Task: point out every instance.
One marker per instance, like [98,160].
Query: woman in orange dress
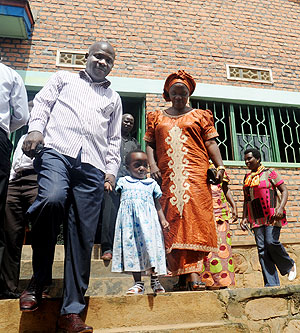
[180,141]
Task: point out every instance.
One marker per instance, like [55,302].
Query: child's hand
[165,225]
[107,187]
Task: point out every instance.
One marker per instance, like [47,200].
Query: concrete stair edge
[203,327]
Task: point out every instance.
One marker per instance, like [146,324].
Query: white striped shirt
[73,113]
[20,160]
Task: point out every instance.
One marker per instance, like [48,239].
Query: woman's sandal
[137,289]
[196,286]
[179,287]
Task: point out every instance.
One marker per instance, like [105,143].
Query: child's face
[138,166]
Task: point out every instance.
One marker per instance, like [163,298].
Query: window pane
[253,130]
[222,123]
[288,133]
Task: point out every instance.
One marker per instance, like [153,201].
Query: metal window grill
[275,131]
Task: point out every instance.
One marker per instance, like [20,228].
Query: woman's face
[251,162]
[179,95]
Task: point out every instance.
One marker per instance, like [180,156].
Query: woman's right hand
[155,172]
[243,224]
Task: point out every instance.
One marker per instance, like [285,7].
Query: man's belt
[24,173]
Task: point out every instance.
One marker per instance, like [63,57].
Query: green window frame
[274,130]
[136,107]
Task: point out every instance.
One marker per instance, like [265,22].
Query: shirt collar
[85,76]
[145,181]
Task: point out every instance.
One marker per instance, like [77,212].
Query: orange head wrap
[179,77]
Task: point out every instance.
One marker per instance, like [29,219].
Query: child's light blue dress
[138,243]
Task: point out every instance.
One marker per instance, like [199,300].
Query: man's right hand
[30,143]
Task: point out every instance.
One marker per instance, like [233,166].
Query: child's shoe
[156,285]
[137,289]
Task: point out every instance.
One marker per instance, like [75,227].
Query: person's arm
[154,170]
[164,223]
[244,221]
[40,113]
[113,158]
[230,200]
[19,104]
[279,212]
[215,156]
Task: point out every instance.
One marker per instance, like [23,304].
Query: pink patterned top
[262,200]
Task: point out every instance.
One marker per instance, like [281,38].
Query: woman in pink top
[265,211]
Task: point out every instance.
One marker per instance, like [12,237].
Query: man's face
[100,61]
[127,123]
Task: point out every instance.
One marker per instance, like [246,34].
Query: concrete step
[102,280]
[215,327]
[239,310]
[118,311]
[59,252]
[102,286]
[99,268]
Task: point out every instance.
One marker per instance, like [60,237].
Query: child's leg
[138,288]
[137,276]
[155,284]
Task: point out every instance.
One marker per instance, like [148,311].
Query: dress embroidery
[178,162]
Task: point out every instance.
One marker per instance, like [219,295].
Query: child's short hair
[255,152]
[128,155]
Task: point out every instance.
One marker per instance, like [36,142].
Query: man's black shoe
[9,295]
[31,297]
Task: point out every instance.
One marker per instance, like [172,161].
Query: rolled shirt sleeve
[114,140]
[19,104]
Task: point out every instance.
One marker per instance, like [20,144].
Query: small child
[139,244]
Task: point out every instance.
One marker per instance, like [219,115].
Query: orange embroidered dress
[187,200]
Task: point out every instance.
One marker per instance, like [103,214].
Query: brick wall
[154,38]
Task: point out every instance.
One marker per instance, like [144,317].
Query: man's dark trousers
[5,152]
[21,194]
[65,181]
[108,217]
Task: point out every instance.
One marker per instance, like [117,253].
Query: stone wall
[264,310]
[248,271]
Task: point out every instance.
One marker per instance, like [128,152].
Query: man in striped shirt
[77,117]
